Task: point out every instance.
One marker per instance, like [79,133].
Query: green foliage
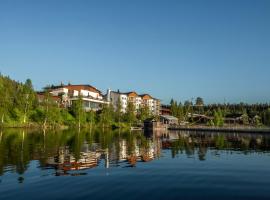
[17,100]
[38,115]
[245,118]
[118,111]
[130,115]
[19,105]
[144,113]
[218,118]
[16,114]
[178,110]
[67,118]
[180,114]
[91,117]
[210,123]
[107,115]
[173,107]
[78,111]
[257,121]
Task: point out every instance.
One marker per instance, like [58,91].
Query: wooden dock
[223,129]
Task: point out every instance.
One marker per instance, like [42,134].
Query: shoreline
[237,129]
[223,129]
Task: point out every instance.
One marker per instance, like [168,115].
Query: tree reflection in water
[71,152]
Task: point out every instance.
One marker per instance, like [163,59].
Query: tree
[91,117]
[12,99]
[180,112]
[199,101]
[188,103]
[188,109]
[4,103]
[49,112]
[78,111]
[257,121]
[199,105]
[118,111]
[245,119]
[130,115]
[28,98]
[144,112]
[174,108]
[106,116]
[218,118]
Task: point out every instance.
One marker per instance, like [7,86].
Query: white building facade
[92,97]
[137,100]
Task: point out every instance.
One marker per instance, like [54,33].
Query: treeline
[255,114]
[21,107]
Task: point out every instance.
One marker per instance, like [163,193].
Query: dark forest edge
[20,107]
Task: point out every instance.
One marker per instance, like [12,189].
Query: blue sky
[183,49]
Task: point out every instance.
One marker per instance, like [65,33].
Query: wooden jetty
[224,129]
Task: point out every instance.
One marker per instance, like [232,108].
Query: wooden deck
[224,129]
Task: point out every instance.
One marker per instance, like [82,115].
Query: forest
[21,107]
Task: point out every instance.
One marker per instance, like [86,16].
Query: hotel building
[138,101]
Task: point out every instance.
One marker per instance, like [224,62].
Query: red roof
[77,87]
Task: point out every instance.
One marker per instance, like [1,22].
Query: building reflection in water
[71,153]
[65,162]
[121,153]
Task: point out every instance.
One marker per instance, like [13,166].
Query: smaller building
[168,119]
[165,110]
[152,124]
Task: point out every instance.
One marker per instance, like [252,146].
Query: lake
[96,164]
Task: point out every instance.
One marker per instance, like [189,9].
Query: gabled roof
[134,94]
[169,117]
[146,96]
[77,87]
[118,92]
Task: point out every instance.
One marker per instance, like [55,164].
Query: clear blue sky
[183,49]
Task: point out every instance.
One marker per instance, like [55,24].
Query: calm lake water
[122,165]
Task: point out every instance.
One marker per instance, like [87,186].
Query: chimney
[109,95]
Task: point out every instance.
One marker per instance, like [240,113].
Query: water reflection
[72,153]
[192,143]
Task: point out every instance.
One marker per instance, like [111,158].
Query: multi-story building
[152,103]
[91,96]
[137,100]
[93,99]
